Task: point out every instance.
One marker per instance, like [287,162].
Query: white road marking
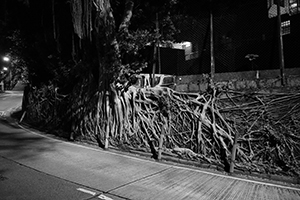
[86,191]
[177,167]
[2,113]
[103,197]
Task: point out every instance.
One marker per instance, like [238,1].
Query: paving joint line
[174,166]
[51,175]
[103,193]
[139,179]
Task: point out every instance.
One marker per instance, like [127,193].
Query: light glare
[6,59]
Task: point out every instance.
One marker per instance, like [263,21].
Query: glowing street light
[6,59]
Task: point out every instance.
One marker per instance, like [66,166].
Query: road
[21,182]
[9,101]
[34,165]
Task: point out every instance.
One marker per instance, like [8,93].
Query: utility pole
[158,56]
[212,56]
[156,47]
[280,44]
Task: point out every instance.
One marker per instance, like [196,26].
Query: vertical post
[156,47]
[233,153]
[153,67]
[158,58]
[212,56]
[157,44]
[280,45]
[161,140]
[97,116]
[106,141]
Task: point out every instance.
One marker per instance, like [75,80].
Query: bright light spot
[182,45]
[6,59]
[294,5]
[187,44]
[5,68]
[103,197]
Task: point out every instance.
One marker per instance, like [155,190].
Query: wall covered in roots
[196,126]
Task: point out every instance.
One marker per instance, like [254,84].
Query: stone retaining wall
[250,80]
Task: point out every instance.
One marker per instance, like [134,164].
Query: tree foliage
[82,57]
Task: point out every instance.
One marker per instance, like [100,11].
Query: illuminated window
[284,7]
[286,27]
[294,6]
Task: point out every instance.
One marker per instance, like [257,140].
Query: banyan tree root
[269,125]
[194,128]
[201,127]
[198,127]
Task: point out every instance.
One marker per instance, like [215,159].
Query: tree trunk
[108,115]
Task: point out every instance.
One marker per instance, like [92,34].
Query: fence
[238,31]
[247,80]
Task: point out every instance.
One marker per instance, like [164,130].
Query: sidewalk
[130,177]
[125,176]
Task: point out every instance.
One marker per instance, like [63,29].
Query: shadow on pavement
[18,143]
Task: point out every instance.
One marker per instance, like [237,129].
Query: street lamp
[251,58]
[6,59]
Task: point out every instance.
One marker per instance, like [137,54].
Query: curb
[9,112]
[218,169]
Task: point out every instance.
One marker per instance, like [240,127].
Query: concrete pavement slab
[179,183]
[91,167]
[23,183]
[129,177]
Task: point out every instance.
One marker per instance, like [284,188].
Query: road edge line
[165,164]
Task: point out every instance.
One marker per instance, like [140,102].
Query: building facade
[248,28]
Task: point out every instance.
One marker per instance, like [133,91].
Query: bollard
[106,142]
[233,153]
[161,140]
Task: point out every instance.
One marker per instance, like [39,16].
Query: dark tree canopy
[82,56]
[51,45]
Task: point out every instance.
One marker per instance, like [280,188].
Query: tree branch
[127,16]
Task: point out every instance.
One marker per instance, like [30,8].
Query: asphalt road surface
[21,182]
[34,165]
